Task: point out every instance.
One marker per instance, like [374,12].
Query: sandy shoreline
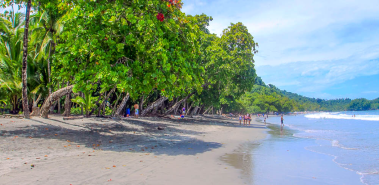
[128,151]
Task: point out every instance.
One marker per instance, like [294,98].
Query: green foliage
[359,104]
[264,98]
[122,43]
[76,111]
[228,62]
[108,111]
[88,102]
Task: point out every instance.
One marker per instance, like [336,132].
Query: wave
[373,172]
[336,143]
[343,116]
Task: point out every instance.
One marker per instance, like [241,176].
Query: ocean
[320,148]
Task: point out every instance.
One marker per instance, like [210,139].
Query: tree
[11,30]
[25,103]
[359,104]
[228,63]
[48,27]
[104,41]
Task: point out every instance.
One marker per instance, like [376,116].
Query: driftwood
[72,118]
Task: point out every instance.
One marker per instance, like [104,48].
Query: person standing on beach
[240,117]
[249,118]
[128,112]
[281,120]
[136,106]
[265,121]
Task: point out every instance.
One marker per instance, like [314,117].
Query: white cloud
[294,30]
[305,45]
[370,92]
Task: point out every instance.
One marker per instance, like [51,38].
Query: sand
[128,151]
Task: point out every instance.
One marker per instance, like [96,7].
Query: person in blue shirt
[128,112]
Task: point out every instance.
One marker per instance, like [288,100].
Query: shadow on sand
[133,135]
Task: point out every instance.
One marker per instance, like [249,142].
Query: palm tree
[11,41]
[48,26]
[11,29]
[25,103]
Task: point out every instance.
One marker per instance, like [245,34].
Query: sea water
[320,148]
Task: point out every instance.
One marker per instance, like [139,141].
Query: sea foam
[343,116]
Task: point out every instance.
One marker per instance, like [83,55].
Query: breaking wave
[343,116]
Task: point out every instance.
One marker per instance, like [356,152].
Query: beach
[127,151]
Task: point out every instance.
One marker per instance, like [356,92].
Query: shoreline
[313,166]
[131,151]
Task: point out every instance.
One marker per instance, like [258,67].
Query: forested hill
[265,98]
[325,105]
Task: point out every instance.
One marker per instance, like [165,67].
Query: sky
[316,48]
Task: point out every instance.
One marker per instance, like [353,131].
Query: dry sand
[127,151]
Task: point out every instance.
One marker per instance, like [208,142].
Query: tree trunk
[35,108]
[171,103]
[103,106]
[25,103]
[201,108]
[35,103]
[53,97]
[188,110]
[178,103]
[122,105]
[141,104]
[154,104]
[115,105]
[59,102]
[105,100]
[67,104]
[206,110]
[155,110]
[195,110]
[81,94]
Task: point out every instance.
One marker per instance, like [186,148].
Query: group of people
[262,115]
[246,119]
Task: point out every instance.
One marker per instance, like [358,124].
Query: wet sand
[127,151]
[282,158]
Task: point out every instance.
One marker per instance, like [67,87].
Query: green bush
[108,111]
[76,111]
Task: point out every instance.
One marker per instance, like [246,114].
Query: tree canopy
[104,56]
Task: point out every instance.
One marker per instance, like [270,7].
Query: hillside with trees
[268,98]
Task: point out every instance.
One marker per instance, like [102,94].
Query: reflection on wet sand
[242,159]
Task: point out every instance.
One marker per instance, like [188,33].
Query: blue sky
[317,48]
